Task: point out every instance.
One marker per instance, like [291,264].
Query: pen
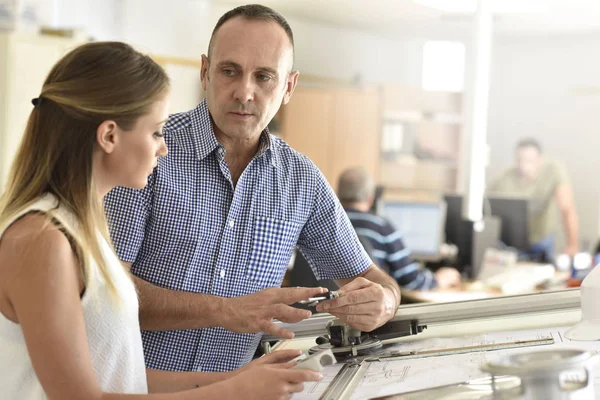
[316,300]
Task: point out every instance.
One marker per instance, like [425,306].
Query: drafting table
[537,318]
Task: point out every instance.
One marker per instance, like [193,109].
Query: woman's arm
[42,281]
[165,381]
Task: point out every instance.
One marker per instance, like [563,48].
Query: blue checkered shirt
[190,230]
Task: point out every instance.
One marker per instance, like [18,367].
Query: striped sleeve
[407,272]
[390,253]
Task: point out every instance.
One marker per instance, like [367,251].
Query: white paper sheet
[399,376]
[313,390]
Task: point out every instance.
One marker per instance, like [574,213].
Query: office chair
[379,189]
[303,275]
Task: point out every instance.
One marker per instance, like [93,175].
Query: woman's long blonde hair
[93,83]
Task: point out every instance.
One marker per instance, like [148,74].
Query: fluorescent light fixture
[497,6]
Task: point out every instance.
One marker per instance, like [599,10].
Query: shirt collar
[205,141]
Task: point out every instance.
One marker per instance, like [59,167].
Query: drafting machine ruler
[352,372]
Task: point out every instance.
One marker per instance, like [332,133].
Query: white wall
[182,28]
[531,95]
[175,28]
[346,54]
[342,53]
[100,19]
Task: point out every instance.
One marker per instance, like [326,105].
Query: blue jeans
[542,251]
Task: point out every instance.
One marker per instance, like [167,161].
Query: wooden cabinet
[306,124]
[421,141]
[336,128]
[26,61]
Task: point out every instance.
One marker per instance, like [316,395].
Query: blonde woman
[68,309]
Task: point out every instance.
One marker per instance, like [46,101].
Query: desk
[461,293]
[476,290]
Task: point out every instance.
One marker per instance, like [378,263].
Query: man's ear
[106,136]
[204,71]
[290,85]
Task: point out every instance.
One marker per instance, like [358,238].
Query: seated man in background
[356,190]
[546,184]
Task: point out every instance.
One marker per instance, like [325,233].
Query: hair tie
[36,101]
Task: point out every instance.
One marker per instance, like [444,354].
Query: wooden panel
[306,125]
[398,174]
[442,102]
[418,175]
[400,98]
[356,132]
[409,98]
[438,139]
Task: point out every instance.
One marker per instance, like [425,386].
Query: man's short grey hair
[256,12]
[355,185]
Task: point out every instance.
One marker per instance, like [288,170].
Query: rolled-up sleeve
[328,240]
[127,212]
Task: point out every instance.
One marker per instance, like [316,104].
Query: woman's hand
[269,381]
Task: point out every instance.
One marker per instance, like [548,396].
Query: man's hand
[571,250]
[255,312]
[362,304]
[447,277]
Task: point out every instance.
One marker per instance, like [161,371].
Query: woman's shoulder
[33,240]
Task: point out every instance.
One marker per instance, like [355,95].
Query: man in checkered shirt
[210,238]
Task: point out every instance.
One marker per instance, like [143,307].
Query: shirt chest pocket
[273,242]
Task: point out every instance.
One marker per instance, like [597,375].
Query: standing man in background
[211,235]
[546,184]
[356,191]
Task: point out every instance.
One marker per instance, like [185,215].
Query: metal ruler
[350,375]
[344,382]
[459,350]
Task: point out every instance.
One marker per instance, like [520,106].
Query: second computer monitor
[421,225]
[513,213]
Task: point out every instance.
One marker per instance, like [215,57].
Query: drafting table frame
[451,320]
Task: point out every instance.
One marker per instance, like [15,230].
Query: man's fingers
[355,284]
[365,295]
[365,323]
[294,295]
[288,314]
[271,329]
[370,308]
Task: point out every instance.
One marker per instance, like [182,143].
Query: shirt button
[231,224]
[222,274]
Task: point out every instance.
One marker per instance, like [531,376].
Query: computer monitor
[514,214]
[471,239]
[421,225]
[512,211]
[453,218]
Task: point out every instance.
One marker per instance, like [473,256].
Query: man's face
[529,161]
[248,76]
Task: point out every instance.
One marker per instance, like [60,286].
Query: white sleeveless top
[113,331]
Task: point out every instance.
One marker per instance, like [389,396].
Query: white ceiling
[401,17]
